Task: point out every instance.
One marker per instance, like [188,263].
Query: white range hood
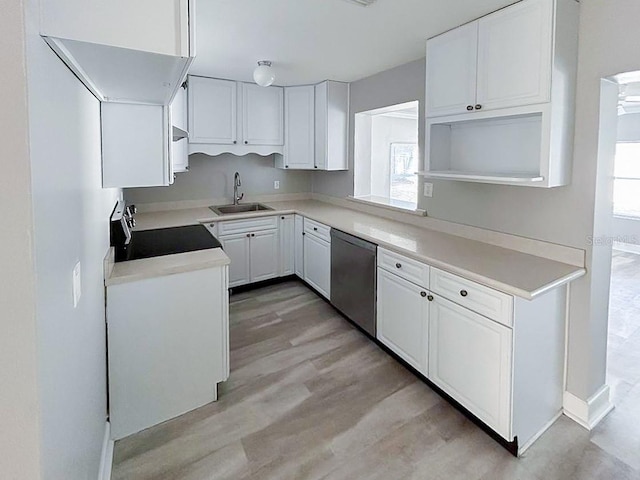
[123,51]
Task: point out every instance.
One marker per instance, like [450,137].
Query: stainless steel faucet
[236,184]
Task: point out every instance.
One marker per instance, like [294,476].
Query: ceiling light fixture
[263,74]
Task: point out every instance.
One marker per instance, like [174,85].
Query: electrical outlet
[77,285]
[276,184]
[428,190]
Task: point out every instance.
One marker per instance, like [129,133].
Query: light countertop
[134,270]
[509,271]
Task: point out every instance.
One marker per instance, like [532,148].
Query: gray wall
[71,223]
[398,85]
[212,177]
[19,426]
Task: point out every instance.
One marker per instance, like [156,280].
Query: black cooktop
[166,241]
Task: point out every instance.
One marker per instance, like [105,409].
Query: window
[626,186]
[387,156]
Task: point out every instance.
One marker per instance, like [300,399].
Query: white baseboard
[589,413]
[106,460]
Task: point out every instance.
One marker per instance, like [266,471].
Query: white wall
[386,130]
[70,212]
[212,178]
[19,434]
[627,230]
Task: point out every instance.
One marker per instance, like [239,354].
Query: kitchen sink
[240,208]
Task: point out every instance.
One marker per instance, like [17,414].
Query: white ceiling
[313,40]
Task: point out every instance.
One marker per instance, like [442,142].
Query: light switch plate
[428,190]
[77,285]
[276,184]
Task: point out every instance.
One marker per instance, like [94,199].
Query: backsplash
[212,177]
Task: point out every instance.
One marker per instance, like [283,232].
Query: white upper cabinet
[262,115]
[135,145]
[226,116]
[212,111]
[332,126]
[451,71]
[299,129]
[517,127]
[514,55]
[123,51]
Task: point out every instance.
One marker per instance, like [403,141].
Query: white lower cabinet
[287,245]
[264,255]
[254,249]
[317,263]
[470,358]
[298,232]
[403,319]
[237,249]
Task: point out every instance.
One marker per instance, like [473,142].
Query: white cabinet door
[317,264]
[264,259]
[332,125]
[180,148]
[135,145]
[212,111]
[262,115]
[403,319]
[514,55]
[451,71]
[299,143]
[299,245]
[237,249]
[470,359]
[287,249]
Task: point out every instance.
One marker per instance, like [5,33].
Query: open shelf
[479,177]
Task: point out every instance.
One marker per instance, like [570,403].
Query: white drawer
[483,300]
[317,229]
[248,225]
[407,268]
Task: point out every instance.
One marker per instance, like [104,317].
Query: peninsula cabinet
[500,94]
[500,357]
[226,116]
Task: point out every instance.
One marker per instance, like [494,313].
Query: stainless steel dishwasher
[353,279]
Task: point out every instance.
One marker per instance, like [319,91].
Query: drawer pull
[398,265]
[464,293]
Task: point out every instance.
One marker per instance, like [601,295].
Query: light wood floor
[310,397]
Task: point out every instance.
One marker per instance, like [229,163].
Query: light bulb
[263,74]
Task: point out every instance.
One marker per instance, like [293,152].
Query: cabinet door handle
[478,107]
[430,298]
[281,218]
[253,234]
[286,166]
[464,293]
[248,235]
[315,229]
[423,294]
[398,265]
[470,108]
[303,234]
[235,141]
[246,142]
